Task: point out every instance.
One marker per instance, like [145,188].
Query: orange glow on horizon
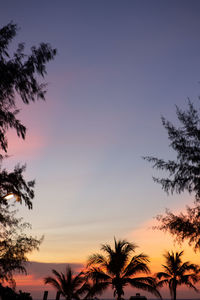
[26,280]
[155,243]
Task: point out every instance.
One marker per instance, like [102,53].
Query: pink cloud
[28,148]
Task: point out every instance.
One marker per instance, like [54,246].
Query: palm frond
[161,283]
[117,266]
[159,275]
[135,267]
[178,272]
[96,259]
[58,275]
[97,289]
[187,266]
[107,249]
[145,283]
[138,264]
[97,274]
[53,282]
[70,285]
[191,286]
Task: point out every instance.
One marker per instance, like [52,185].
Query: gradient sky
[120,66]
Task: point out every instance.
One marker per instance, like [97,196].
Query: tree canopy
[19,79]
[183,174]
[119,268]
[183,226]
[68,284]
[176,273]
[184,171]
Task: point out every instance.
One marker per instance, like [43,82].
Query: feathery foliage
[184,174]
[118,269]
[184,226]
[69,285]
[177,273]
[19,80]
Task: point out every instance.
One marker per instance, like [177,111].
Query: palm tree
[118,268]
[177,273]
[69,285]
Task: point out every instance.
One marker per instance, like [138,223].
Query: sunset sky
[120,66]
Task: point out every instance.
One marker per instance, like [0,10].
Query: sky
[120,66]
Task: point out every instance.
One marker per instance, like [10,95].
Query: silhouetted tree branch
[19,78]
[184,171]
[14,244]
[183,174]
[19,75]
[184,226]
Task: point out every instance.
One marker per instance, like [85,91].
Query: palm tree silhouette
[177,273]
[118,268]
[69,285]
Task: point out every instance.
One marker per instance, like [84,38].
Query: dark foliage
[184,226]
[119,268]
[184,175]
[14,244]
[19,77]
[184,171]
[18,80]
[7,293]
[177,273]
[69,285]
[14,182]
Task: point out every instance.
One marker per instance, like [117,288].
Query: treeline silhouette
[119,267]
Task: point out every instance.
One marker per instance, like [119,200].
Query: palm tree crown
[177,273]
[69,285]
[118,268]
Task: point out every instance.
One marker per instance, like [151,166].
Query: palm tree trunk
[174,292]
[58,295]
[119,294]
